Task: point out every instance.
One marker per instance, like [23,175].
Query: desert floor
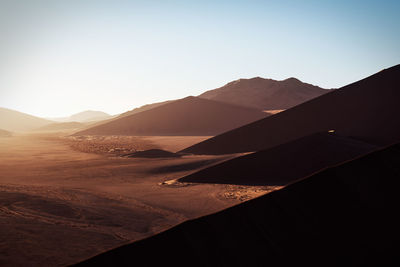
[64,199]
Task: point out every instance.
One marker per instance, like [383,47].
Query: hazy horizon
[58,58]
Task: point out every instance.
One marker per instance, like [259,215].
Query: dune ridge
[366,110]
[15,121]
[343,215]
[284,163]
[188,116]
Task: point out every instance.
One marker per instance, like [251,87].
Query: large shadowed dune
[367,110]
[188,116]
[144,108]
[125,114]
[153,153]
[265,94]
[284,163]
[342,216]
[258,93]
[15,121]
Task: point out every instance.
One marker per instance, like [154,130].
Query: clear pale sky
[62,57]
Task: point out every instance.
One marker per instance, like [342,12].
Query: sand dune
[153,153]
[259,93]
[366,110]
[59,206]
[188,116]
[144,108]
[284,163]
[15,121]
[265,94]
[341,216]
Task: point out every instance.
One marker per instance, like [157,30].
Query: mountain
[265,94]
[366,110]
[284,163]
[90,115]
[85,116]
[15,121]
[342,216]
[187,116]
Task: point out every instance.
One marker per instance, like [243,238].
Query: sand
[60,205]
[285,163]
[366,110]
[189,116]
[342,216]
[15,121]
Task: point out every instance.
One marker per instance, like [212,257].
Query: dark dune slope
[342,216]
[367,110]
[284,163]
[144,108]
[153,153]
[187,116]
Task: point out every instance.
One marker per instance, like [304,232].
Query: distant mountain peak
[91,112]
[364,110]
[265,94]
[292,79]
[257,78]
[85,116]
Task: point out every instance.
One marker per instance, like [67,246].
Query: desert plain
[64,199]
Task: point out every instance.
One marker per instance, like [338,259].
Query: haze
[62,57]
[199,133]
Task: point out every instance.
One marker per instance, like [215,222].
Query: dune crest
[190,116]
[342,215]
[15,121]
[284,163]
[366,110]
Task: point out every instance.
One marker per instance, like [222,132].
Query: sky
[62,57]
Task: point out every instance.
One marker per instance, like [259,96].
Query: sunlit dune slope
[345,215]
[284,163]
[187,116]
[15,121]
[367,110]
